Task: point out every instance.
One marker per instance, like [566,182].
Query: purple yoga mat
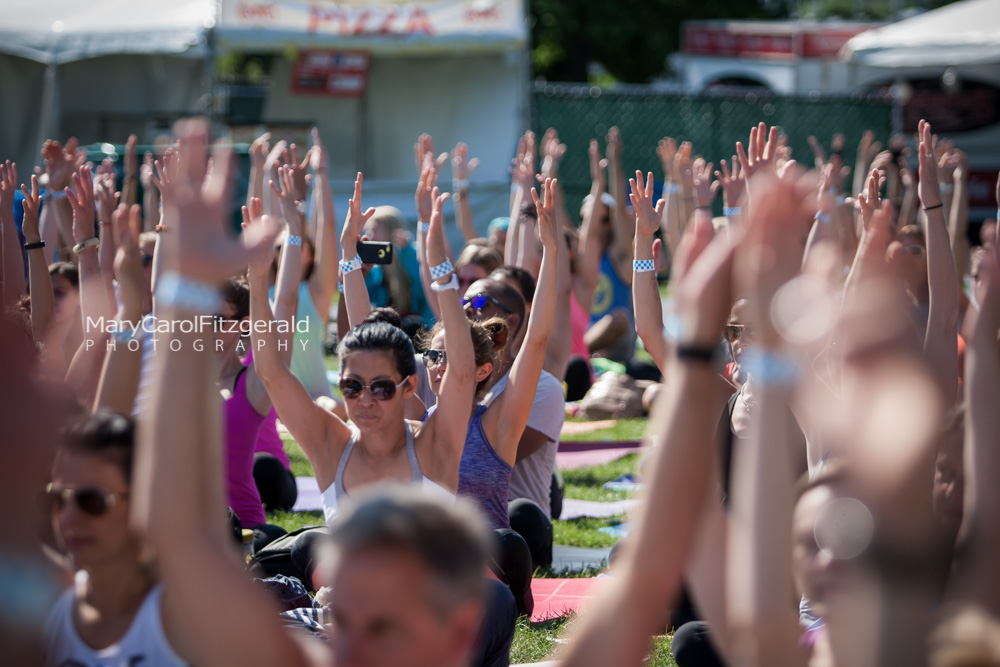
[594,457]
[309,499]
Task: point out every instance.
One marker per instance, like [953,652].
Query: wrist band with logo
[442,269]
[643,265]
[294,239]
[83,245]
[423,227]
[352,265]
[732,211]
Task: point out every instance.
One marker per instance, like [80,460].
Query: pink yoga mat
[593,457]
[557,597]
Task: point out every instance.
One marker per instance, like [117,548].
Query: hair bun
[497,329]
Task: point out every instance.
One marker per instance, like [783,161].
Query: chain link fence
[712,122]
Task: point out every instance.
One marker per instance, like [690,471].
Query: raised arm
[461,168]
[425,205]
[621,221]
[324,277]
[56,222]
[734,188]
[119,381]
[976,579]
[39,280]
[150,194]
[320,434]
[588,262]
[13,259]
[508,415]
[940,341]
[645,289]
[619,622]
[958,220]
[355,290]
[258,153]
[178,480]
[449,424]
[107,201]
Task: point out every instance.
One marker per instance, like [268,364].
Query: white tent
[104,68]
[963,33]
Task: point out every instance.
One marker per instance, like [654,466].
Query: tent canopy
[59,31]
[963,33]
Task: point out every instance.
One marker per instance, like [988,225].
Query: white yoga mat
[309,499]
[574,509]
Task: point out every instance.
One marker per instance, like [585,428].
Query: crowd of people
[819,482]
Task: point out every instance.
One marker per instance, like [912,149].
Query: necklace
[749,405]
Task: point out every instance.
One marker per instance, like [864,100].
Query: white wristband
[423,227]
[126,334]
[732,211]
[643,265]
[56,194]
[458,184]
[351,265]
[174,291]
[294,239]
[671,188]
[823,217]
[442,269]
[946,187]
[450,285]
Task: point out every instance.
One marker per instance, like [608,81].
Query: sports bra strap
[411,454]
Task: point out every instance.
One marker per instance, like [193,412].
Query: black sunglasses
[146,259]
[479,302]
[90,500]
[435,358]
[734,331]
[381,390]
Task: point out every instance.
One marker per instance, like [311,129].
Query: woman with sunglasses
[115,612]
[377,367]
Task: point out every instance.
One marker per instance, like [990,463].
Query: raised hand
[870,202]
[462,166]
[196,244]
[107,199]
[546,207]
[355,222]
[682,166]
[868,148]
[131,160]
[298,171]
[32,203]
[552,153]
[761,151]
[424,197]
[82,202]
[437,251]
[320,160]
[647,214]
[259,149]
[61,162]
[733,183]
[928,187]
[8,179]
[819,155]
[163,173]
[286,196]
[253,217]
[273,158]
[146,171]
[614,145]
[423,150]
[128,261]
[701,179]
[667,151]
[598,166]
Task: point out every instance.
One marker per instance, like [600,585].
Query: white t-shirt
[531,477]
[144,643]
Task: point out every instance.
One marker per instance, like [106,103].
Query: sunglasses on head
[89,500]
[734,331]
[479,302]
[381,390]
[435,358]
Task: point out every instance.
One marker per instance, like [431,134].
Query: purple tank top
[241,425]
[483,475]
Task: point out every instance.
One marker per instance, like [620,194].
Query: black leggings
[511,563]
[530,522]
[692,646]
[275,482]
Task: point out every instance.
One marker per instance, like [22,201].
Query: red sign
[335,73]
[781,41]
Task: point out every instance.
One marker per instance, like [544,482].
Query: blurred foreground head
[409,580]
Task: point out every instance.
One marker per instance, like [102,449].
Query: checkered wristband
[643,265]
[671,188]
[442,269]
[423,227]
[294,239]
[732,211]
[998,216]
[823,217]
[353,265]
[55,194]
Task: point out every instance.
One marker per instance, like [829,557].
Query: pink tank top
[269,442]
[241,425]
[579,322]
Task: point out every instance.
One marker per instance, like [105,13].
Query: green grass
[582,532]
[300,464]
[587,483]
[625,429]
[292,521]
[534,642]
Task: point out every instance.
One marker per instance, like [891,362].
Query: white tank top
[143,644]
[335,492]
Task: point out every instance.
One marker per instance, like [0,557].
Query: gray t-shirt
[531,477]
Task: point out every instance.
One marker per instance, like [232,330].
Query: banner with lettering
[372,25]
